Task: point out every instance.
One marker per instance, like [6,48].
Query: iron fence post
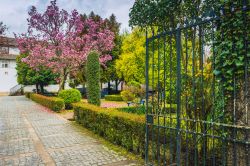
[146,112]
[178,93]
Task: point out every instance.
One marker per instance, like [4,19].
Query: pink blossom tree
[61,41]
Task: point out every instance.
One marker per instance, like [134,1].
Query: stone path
[32,135]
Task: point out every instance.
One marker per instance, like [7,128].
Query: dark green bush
[70,96]
[93,79]
[54,103]
[113,98]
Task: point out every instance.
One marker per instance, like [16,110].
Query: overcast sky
[14,12]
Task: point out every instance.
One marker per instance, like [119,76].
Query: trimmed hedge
[113,98]
[93,79]
[54,103]
[121,128]
[27,94]
[128,130]
[70,96]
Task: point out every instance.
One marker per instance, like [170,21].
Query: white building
[8,54]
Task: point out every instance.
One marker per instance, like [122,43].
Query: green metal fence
[208,120]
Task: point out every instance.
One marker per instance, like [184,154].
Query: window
[6,73]
[4,50]
[5,64]
[14,51]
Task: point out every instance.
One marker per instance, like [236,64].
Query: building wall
[112,83]
[49,88]
[8,75]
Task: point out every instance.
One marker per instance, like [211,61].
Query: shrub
[121,128]
[137,90]
[113,98]
[70,96]
[54,103]
[124,129]
[27,94]
[127,95]
[93,79]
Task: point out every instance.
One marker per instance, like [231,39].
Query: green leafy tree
[109,72]
[162,13]
[28,76]
[93,78]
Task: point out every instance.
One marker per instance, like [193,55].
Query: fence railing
[15,90]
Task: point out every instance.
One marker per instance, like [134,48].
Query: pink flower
[61,41]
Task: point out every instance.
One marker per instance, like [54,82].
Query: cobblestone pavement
[32,135]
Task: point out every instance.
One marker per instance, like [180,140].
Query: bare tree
[3,28]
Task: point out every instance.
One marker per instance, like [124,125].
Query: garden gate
[198,90]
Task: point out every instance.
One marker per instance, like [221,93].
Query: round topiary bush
[70,96]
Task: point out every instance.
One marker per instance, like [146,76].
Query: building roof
[8,57]
[7,42]
[10,43]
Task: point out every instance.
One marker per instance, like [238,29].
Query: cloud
[14,13]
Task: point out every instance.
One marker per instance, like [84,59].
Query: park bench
[142,102]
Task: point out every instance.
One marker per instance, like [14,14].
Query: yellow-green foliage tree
[131,64]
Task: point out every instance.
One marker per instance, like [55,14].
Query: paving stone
[8,135]
[27,160]
[28,129]
[16,147]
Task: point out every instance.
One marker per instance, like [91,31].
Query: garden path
[32,135]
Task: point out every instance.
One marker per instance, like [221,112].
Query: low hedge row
[27,94]
[124,129]
[113,98]
[54,103]
[121,128]
[128,130]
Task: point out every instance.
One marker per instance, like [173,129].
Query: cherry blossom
[62,41]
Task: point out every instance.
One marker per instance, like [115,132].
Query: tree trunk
[42,88]
[63,81]
[37,89]
[109,87]
[116,85]
[62,85]
[122,83]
